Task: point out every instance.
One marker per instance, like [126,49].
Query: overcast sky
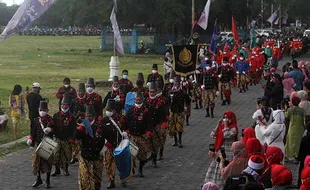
[10,2]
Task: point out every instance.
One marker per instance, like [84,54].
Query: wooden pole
[280,19]
[193,20]
[271,15]
[247,16]
[114,52]
[114,41]
[262,12]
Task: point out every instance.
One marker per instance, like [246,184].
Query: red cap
[280,175]
[274,155]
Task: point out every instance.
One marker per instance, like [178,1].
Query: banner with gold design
[184,59]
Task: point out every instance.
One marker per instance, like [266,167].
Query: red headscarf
[253,147]
[219,140]
[307,161]
[305,178]
[280,175]
[247,134]
[274,155]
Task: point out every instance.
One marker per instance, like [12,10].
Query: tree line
[166,16]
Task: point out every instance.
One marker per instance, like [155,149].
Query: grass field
[49,59]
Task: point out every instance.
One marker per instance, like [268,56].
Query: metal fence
[156,43]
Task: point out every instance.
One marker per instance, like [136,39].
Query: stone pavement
[181,168]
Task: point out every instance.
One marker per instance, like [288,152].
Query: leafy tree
[166,16]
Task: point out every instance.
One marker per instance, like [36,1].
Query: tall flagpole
[193,19]
[114,40]
[262,12]
[280,18]
[247,16]
[114,63]
[271,15]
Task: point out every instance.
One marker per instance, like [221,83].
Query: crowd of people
[278,136]
[89,30]
[89,129]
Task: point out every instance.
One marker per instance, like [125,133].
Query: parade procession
[209,114]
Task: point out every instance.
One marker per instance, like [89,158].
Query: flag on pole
[213,44]
[253,36]
[194,24]
[26,14]
[117,35]
[277,21]
[273,17]
[235,30]
[204,17]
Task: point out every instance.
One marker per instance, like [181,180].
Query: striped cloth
[144,146]
[41,165]
[109,164]
[90,174]
[62,154]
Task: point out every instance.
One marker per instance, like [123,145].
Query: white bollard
[114,67]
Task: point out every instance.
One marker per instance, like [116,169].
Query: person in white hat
[33,101]
[250,175]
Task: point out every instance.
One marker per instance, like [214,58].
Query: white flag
[204,17]
[26,14]
[273,17]
[117,35]
[277,21]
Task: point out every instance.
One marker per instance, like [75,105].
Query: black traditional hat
[209,62]
[159,85]
[152,86]
[111,104]
[140,77]
[90,82]
[140,80]
[43,105]
[140,95]
[66,80]
[115,79]
[172,74]
[90,110]
[81,87]
[225,59]
[66,100]
[177,79]
[155,67]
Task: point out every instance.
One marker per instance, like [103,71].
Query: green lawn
[13,148]
[48,59]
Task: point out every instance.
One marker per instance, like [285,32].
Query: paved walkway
[181,168]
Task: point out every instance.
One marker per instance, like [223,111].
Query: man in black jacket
[276,92]
[90,135]
[113,137]
[64,129]
[33,101]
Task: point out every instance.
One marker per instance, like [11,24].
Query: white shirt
[258,128]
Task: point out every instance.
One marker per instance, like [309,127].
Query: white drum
[132,147]
[134,150]
[46,148]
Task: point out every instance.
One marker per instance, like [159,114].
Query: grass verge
[49,59]
[13,148]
